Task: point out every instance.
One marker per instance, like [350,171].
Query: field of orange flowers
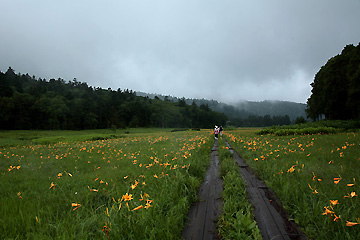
[315,176]
[131,187]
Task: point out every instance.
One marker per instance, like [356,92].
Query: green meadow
[99,185]
[140,183]
[315,176]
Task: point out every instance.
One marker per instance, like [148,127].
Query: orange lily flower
[337,180]
[292,169]
[52,185]
[137,208]
[328,211]
[350,224]
[314,176]
[93,190]
[314,190]
[76,205]
[133,186]
[127,197]
[148,204]
[334,202]
[351,195]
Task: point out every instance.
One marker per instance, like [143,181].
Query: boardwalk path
[202,214]
[271,218]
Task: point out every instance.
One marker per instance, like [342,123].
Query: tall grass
[129,187]
[309,173]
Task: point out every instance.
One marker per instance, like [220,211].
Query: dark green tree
[335,90]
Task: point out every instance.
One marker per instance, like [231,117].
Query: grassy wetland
[137,183]
[316,176]
[124,186]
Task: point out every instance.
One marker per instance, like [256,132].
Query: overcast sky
[227,50]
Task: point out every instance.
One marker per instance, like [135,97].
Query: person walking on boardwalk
[216,132]
[221,129]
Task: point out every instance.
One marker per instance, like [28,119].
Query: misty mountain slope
[244,109]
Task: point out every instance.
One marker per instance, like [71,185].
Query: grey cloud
[227,51]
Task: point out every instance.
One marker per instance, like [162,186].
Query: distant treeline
[249,114]
[261,121]
[30,103]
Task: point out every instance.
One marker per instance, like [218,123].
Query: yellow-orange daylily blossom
[76,205]
[93,190]
[334,202]
[337,180]
[336,218]
[351,195]
[127,197]
[328,211]
[145,195]
[133,186]
[292,169]
[52,185]
[352,184]
[137,208]
[13,167]
[148,204]
[350,224]
[314,190]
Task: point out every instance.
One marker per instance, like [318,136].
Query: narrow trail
[202,215]
[272,220]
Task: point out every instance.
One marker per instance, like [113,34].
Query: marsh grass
[39,137]
[306,172]
[75,188]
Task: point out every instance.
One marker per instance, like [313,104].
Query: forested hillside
[30,103]
[248,113]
